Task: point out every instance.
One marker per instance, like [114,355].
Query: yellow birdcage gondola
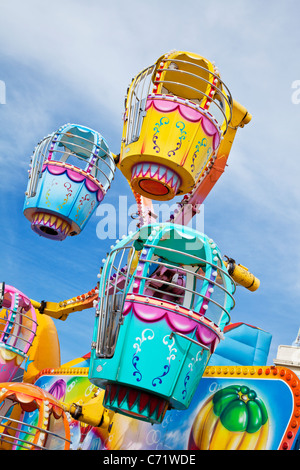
[176,114]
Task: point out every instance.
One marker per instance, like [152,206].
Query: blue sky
[72,60]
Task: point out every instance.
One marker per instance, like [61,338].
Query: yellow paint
[189,84]
[242,276]
[168,138]
[61,310]
[45,350]
[46,218]
[52,219]
[58,223]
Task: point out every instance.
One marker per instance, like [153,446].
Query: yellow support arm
[91,412]
[61,310]
[240,117]
[241,275]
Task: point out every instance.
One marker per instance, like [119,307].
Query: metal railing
[218,89]
[143,84]
[112,299]
[136,103]
[44,150]
[25,429]
[115,289]
[202,346]
[13,332]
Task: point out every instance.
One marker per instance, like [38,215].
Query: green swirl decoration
[202,143]
[180,125]
[162,121]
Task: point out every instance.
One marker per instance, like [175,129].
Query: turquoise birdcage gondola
[164,299]
[71,171]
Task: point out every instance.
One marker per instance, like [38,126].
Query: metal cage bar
[134,118]
[11,334]
[203,79]
[206,348]
[37,162]
[201,260]
[201,93]
[42,152]
[197,275]
[185,289]
[109,311]
[20,430]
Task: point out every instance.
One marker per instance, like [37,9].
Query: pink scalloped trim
[188,113]
[178,323]
[76,177]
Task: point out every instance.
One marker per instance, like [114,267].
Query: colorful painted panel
[233,407]
[69,194]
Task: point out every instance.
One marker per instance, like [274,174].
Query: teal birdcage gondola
[71,171]
[164,298]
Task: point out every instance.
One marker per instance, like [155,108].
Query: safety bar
[138,93]
[29,426]
[206,348]
[42,152]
